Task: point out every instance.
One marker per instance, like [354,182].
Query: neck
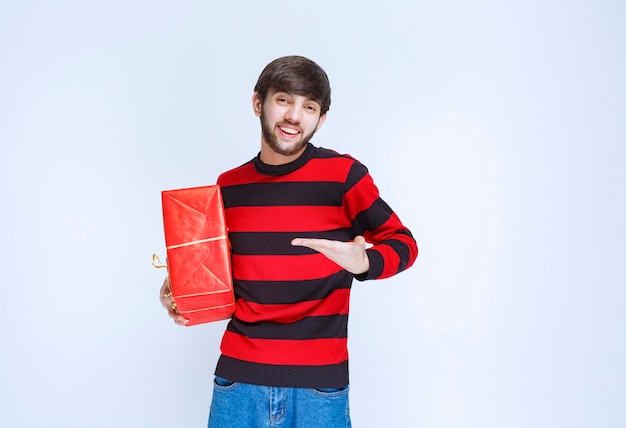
[271,157]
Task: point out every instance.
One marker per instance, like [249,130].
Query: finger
[166,301]
[313,243]
[165,293]
[359,240]
[323,243]
[301,242]
[179,320]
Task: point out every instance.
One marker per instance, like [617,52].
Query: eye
[311,108]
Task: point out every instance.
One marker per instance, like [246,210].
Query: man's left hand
[349,255]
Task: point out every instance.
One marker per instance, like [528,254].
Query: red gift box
[198,254]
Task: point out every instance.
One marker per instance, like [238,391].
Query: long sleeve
[394,248]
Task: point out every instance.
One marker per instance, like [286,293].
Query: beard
[282,148]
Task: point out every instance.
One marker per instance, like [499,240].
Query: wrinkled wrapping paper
[198,254]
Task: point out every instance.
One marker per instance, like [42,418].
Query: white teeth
[289,131]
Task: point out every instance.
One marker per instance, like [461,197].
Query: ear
[257,104]
[321,121]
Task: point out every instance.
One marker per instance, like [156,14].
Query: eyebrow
[291,94]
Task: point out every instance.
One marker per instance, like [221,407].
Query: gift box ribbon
[200,241]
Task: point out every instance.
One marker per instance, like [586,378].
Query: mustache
[290,123]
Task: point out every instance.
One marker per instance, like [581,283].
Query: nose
[294,113]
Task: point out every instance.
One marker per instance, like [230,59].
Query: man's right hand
[168,302]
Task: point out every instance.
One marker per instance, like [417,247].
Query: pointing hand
[349,255]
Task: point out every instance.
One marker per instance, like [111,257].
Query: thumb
[359,240]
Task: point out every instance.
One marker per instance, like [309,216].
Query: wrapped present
[198,254]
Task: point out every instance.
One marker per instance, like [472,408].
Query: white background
[494,129]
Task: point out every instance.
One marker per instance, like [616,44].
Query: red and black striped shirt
[290,324]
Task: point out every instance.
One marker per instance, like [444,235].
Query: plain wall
[494,129]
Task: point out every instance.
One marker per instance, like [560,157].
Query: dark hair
[297,75]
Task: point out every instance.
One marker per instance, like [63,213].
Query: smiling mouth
[288,131]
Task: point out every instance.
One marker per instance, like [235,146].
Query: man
[299,218]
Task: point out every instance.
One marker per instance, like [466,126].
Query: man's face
[288,121]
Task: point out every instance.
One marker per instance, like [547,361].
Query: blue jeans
[240,405]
